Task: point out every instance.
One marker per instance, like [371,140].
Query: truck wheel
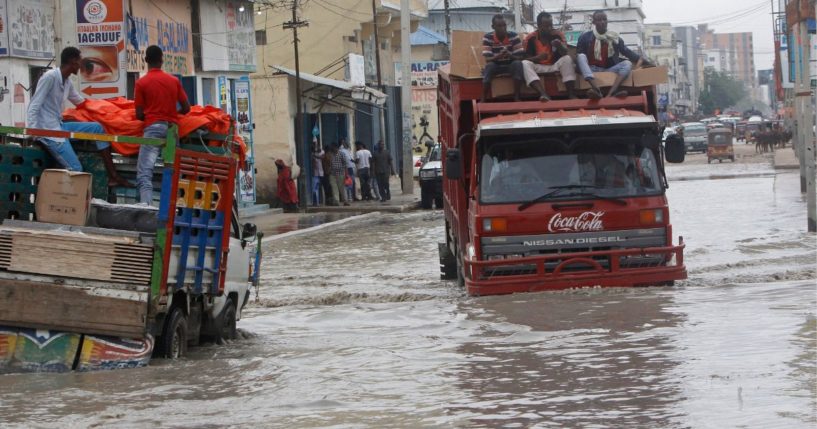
[227,322]
[448,264]
[425,199]
[438,202]
[174,336]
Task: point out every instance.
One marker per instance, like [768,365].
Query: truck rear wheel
[425,199]
[448,264]
[438,202]
[174,337]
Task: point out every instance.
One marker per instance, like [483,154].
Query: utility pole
[377,46]
[447,24]
[294,25]
[805,124]
[517,15]
[405,97]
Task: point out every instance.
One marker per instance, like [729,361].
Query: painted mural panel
[165,23]
[31,29]
[4,35]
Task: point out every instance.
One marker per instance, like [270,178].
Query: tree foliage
[720,91]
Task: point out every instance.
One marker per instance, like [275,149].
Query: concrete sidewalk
[784,159]
[398,203]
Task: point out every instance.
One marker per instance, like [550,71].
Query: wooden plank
[69,308]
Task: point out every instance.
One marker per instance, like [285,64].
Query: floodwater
[352,327]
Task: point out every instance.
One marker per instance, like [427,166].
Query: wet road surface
[354,328]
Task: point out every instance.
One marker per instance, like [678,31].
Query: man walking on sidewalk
[363,157]
[155,96]
[381,163]
[338,175]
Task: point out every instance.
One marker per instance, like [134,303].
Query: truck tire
[448,264]
[425,199]
[227,322]
[438,202]
[174,336]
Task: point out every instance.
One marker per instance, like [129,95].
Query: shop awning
[357,93]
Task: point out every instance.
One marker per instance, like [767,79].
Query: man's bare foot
[118,181]
[619,94]
[571,96]
[594,94]
[544,97]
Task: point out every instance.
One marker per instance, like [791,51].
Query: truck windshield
[521,171]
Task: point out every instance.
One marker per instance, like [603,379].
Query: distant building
[689,76]
[660,46]
[738,49]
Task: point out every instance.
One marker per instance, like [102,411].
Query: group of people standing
[545,51]
[336,169]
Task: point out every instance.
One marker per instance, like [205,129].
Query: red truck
[567,193]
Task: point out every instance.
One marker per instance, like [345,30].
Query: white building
[661,47]
[623,16]
[719,60]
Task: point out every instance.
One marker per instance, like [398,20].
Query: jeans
[62,150]
[365,177]
[492,69]
[316,190]
[622,69]
[146,161]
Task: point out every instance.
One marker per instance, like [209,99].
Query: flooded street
[352,327]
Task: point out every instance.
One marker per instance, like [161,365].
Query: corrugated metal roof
[359,93]
[426,36]
[467,4]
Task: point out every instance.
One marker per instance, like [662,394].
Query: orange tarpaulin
[118,116]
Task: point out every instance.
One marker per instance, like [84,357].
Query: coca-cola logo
[587,221]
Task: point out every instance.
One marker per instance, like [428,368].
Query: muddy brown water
[353,328]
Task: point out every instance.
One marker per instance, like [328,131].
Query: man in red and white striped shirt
[502,50]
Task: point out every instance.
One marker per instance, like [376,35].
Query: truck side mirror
[453,164]
[674,149]
[249,230]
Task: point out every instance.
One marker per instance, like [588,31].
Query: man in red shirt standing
[546,52]
[156,95]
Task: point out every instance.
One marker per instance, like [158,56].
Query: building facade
[738,49]
[331,109]
[689,74]
[661,47]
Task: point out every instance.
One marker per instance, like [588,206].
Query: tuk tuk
[719,145]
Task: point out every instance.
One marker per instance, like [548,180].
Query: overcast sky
[726,15]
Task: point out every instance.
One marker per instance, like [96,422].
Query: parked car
[694,136]
[431,179]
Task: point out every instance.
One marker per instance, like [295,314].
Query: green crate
[20,170]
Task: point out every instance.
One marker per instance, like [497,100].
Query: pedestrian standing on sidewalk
[351,195]
[326,163]
[338,175]
[317,173]
[156,95]
[363,157]
[286,187]
[382,165]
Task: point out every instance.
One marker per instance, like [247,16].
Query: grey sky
[693,12]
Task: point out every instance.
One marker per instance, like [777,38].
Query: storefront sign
[100,38]
[31,28]
[423,74]
[4,35]
[165,23]
[240,35]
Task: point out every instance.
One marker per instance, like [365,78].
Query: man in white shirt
[363,158]
[45,112]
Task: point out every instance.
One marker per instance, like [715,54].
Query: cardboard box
[466,54]
[63,197]
[650,76]
[602,79]
[503,86]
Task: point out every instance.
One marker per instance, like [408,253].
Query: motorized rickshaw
[719,145]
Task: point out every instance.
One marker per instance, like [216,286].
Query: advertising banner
[31,28]
[101,39]
[423,74]
[165,23]
[4,35]
[246,177]
[240,36]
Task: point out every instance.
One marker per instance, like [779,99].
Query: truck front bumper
[610,268]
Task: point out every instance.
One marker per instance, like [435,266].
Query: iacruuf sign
[101,38]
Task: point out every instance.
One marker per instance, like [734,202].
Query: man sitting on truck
[502,50]
[45,112]
[600,50]
[545,52]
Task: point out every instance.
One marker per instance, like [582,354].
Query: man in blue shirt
[600,50]
[45,112]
